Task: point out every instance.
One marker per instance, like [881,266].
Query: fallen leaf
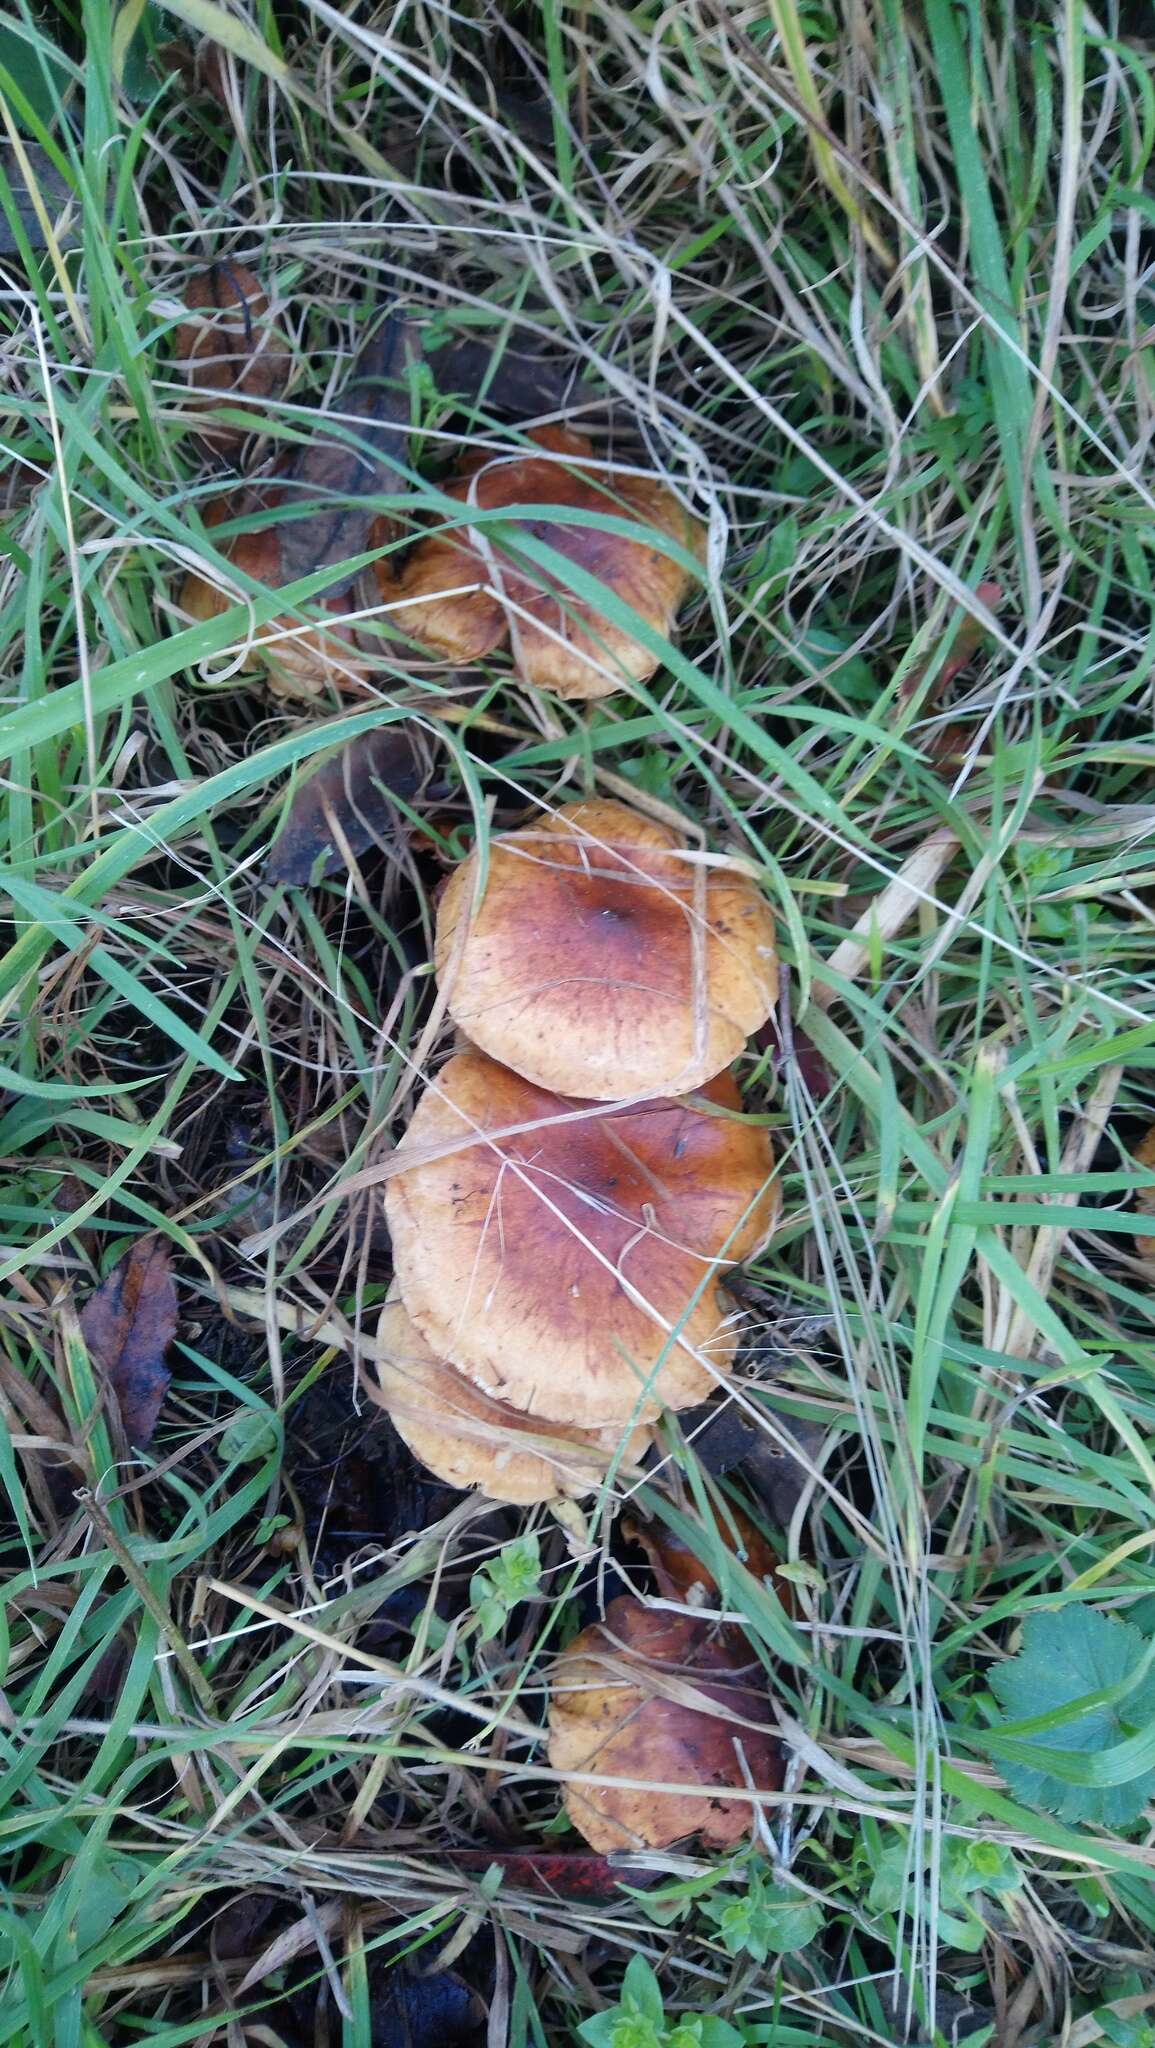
[34,184]
[106,1677]
[238,1924]
[229,347]
[946,748]
[349,798]
[521,382]
[352,465]
[777,1474]
[332,482]
[555,1874]
[128,1325]
[671,1701]
[724,1437]
[1144,1155]
[201,70]
[720,1433]
[374,407]
[297,1939]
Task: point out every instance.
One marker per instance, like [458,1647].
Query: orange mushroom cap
[300,659]
[667,1700]
[604,959]
[468,1439]
[462,598]
[556,1251]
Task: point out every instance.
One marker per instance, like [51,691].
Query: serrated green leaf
[1091,1677]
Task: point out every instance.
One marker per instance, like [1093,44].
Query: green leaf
[770,1919]
[641,1992]
[979,1867]
[714,2033]
[598,2032]
[490,1617]
[1081,1686]
[36,68]
[963,1931]
[967,1871]
[514,1575]
[250,1437]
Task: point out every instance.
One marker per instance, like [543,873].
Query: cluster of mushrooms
[462,592]
[579,1176]
[566,1199]
[572,1185]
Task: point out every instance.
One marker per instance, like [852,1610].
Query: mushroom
[229,348]
[468,1439]
[461,596]
[1144,1155]
[300,659]
[667,1700]
[566,1255]
[605,959]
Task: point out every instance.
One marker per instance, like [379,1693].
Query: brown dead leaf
[295,1940]
[347,803]
[775,1467]
[350,459]
[438,2011]
[515,380]
[364,458]
[229,347]
[671,1701]
[201,70]
[555,1874]
[327,491]
[128,1325]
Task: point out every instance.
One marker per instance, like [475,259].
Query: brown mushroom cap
[1144,1155]
[552,1263]
[467,1438]
[299,658]
[668,1700]
[604,961]
[461,596]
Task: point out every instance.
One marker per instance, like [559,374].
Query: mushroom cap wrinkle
[468,1439]
[604,959]
[566,1255]
[460,595]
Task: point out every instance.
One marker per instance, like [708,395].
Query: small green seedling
[970,1873]
[639,2020]
[767,1920]
[514,1575]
